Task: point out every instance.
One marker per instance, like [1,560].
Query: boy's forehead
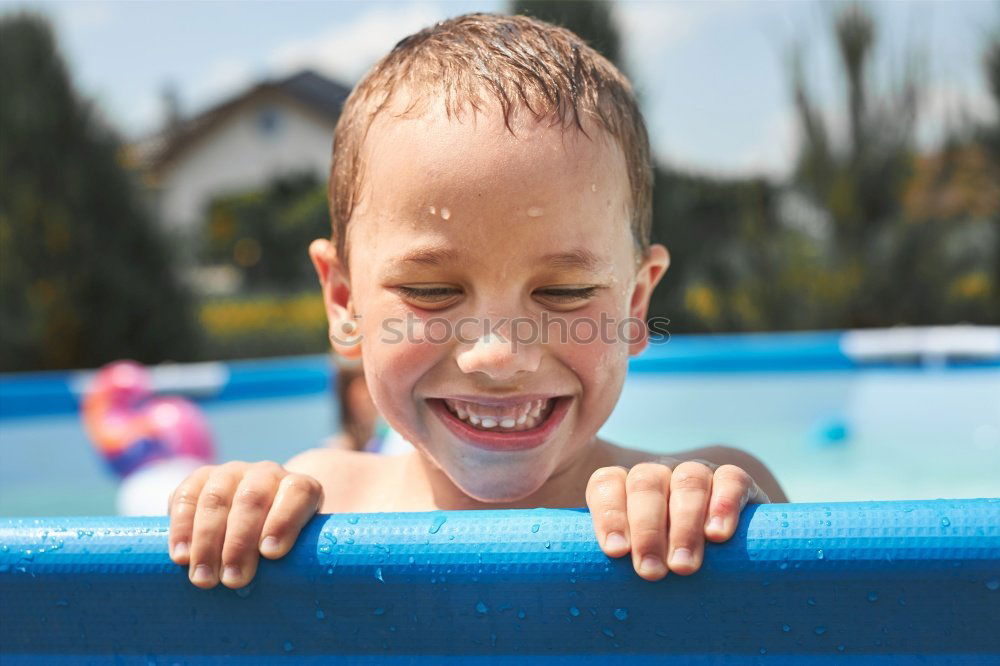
[478,152]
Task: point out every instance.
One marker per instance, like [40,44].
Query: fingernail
[269,544]
[715,523]
[202,574]
[651,565]
[615,541]
[180,549]
[682,558]
[231,574]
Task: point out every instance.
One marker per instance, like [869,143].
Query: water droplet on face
[873,596]
[993,585]
[445,214]
[820,630]
[621,614]
[785,628]
[574,611]
[945,522]
[432,210]
[535,211]
[438,522]
[534,528]
[482,608]
[593,187]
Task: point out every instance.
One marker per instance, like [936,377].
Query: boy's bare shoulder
[343,474]
[717,455]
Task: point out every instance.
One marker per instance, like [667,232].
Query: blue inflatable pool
[874,582]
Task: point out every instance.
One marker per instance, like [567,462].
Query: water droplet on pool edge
[621,614]
[353,520]
[534,528]
[945,522]
[320,615]
[438,521]
[574,611]
[482,608]
[819,554]
[820,630]
[288,646]
[873,596]
[379,611]
[785,628]
[521,615]
[993,585]
[378,575]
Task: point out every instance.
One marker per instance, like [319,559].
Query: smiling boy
[489,172]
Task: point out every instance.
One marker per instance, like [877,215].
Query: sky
[712,76]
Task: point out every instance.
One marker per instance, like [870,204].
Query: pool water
[838,435]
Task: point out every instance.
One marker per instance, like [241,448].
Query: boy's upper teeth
[505,416]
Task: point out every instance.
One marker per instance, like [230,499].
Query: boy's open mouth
[512,418]
[506,424]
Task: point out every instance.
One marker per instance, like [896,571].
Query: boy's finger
[298,498]
[210,524]
[251,504]
[732,487]
[606,499]
[182,505]
[647,488]
[690,488]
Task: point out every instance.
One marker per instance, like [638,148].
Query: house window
[269,121]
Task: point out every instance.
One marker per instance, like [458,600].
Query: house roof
[319,94]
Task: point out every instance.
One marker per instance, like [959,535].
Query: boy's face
[465,234]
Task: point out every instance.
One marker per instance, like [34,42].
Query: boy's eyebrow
[576,259]
[580,259]
[428,256]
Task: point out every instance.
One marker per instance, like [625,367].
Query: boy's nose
[498,357]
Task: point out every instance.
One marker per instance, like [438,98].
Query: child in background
[362,428]
[490,262]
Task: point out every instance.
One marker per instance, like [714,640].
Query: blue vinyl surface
[871,582]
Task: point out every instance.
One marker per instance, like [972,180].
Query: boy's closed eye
[442,296]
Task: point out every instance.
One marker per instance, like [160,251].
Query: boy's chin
[511,486]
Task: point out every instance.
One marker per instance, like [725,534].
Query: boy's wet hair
[477,59]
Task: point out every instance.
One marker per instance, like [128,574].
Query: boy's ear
[650,272]
[336,287]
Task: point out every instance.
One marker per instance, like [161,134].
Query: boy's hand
[630,512]
[222,515]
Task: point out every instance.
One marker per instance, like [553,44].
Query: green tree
[265,233]
[85,276]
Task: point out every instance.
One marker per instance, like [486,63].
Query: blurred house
[274,128]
